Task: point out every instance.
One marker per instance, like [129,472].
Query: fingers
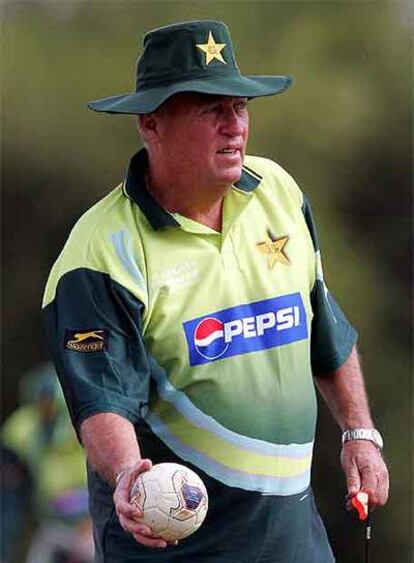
[379,495]
[127,510]
[353,480]
[368,480]
[127,479]
[365,470]
[142,533]
[130,514]
[149,541]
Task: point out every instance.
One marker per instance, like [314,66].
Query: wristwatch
[371,434]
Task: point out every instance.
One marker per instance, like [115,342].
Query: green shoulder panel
[332,336]
[102,241]
[272,174]
[92,310]
[93,328]
[310,222]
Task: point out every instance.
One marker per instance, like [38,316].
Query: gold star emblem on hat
[275,249]
[212,49]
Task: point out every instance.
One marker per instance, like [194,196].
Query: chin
[231,175]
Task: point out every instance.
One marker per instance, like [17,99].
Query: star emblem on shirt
[212,49]
[274,247]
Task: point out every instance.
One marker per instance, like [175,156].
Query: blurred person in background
[16,496]
[188,319]
[39,432]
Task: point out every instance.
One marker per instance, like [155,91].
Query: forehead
[192,100]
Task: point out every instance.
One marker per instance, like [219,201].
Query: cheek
[189,136]
[201,143]
[179,143]
[191,149]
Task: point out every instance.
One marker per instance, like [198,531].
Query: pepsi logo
[246,328]
[209,338]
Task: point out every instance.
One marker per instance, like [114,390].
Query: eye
[241,106]
[210,109]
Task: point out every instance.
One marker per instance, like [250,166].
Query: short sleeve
[93,329]
[332,336]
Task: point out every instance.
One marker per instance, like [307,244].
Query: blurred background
[344,131]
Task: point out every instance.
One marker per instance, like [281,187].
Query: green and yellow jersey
[207,342]
[208,338]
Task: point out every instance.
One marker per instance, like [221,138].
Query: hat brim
[146,101]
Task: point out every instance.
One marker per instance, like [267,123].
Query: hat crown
[191,56]
[183,51]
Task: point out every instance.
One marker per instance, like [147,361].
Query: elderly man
[189,318]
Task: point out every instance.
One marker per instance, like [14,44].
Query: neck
[201,203]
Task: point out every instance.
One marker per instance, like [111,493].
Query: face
[204,137]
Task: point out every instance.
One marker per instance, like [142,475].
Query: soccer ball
[173,499]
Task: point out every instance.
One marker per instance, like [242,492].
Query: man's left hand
[365,470]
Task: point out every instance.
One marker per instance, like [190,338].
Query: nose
[232,124]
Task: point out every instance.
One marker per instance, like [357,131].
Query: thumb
[139,467]
[144,465]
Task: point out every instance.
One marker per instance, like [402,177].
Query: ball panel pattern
[173,499]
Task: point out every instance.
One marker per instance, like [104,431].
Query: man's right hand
[128,513]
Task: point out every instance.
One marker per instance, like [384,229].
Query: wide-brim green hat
[194,56]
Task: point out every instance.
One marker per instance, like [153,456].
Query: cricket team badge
[274,248]
[212,49]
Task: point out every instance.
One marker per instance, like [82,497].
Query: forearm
[344,392]
[110,443]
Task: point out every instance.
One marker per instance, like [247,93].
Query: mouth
[230,151]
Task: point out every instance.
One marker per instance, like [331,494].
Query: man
[187,314]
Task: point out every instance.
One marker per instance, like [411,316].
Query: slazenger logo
[90,340]
[246,328]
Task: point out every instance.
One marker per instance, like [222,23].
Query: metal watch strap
[370,434]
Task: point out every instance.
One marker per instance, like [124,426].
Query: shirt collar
[135,188]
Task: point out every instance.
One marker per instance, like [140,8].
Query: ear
[148,127]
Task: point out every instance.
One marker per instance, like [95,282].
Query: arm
[112,450]
[344,392]
[110,443]
[105,390]
[339,378]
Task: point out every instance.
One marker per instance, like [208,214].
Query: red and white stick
[360,503]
